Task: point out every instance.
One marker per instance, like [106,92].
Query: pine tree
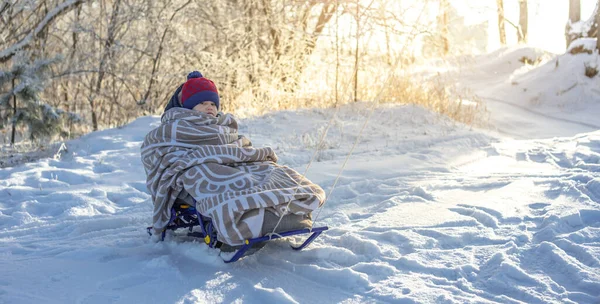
[20,105]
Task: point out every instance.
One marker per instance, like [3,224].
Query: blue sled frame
[186,216]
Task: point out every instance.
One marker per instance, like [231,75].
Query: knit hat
[198,89]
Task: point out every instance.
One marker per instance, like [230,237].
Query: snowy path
[426,211]
[522,122]
[549,99]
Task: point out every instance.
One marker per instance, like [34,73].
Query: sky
[426,210]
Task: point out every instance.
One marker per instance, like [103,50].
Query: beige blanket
[194,154]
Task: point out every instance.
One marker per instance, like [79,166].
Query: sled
[186,216]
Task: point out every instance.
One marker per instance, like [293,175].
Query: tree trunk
[157,57]
[574,16]
[108,44]
[501,28]
[72,104]
[598,26]
[337,56]
[443,24]
[110,115]
[327,11]
[592,23]
[356,57]
[574,10]
[387,41]
[14,122]
[523,21]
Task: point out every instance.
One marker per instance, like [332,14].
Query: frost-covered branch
[9,52]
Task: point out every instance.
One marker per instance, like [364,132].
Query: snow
[552,98]
[585,43]
[426,210]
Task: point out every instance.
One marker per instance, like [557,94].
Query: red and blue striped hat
[198,89]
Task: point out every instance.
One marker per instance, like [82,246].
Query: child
[197,90]
[199,156]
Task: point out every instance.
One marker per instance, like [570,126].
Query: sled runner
[186,216]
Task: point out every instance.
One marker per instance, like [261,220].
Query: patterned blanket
[194,155]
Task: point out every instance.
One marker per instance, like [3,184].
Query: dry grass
[591,71]
[580,49]
[437,96]
[375,84]
[26,151]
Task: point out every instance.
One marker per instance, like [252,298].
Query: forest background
[69,67]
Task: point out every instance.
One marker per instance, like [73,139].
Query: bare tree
[124,58]
[113,28]
[598,26]
[13,17]
[574,10]
[585,28]
[159,53]
[523,21]
[356,51]
[271,38]
[443,24]
[13,132]
[574,16]
[501,28]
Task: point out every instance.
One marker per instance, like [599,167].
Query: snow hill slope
[426,211]
[550,97]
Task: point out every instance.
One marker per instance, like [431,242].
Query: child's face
[207,107]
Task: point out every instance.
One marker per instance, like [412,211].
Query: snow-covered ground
[548,99]
[426,211]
